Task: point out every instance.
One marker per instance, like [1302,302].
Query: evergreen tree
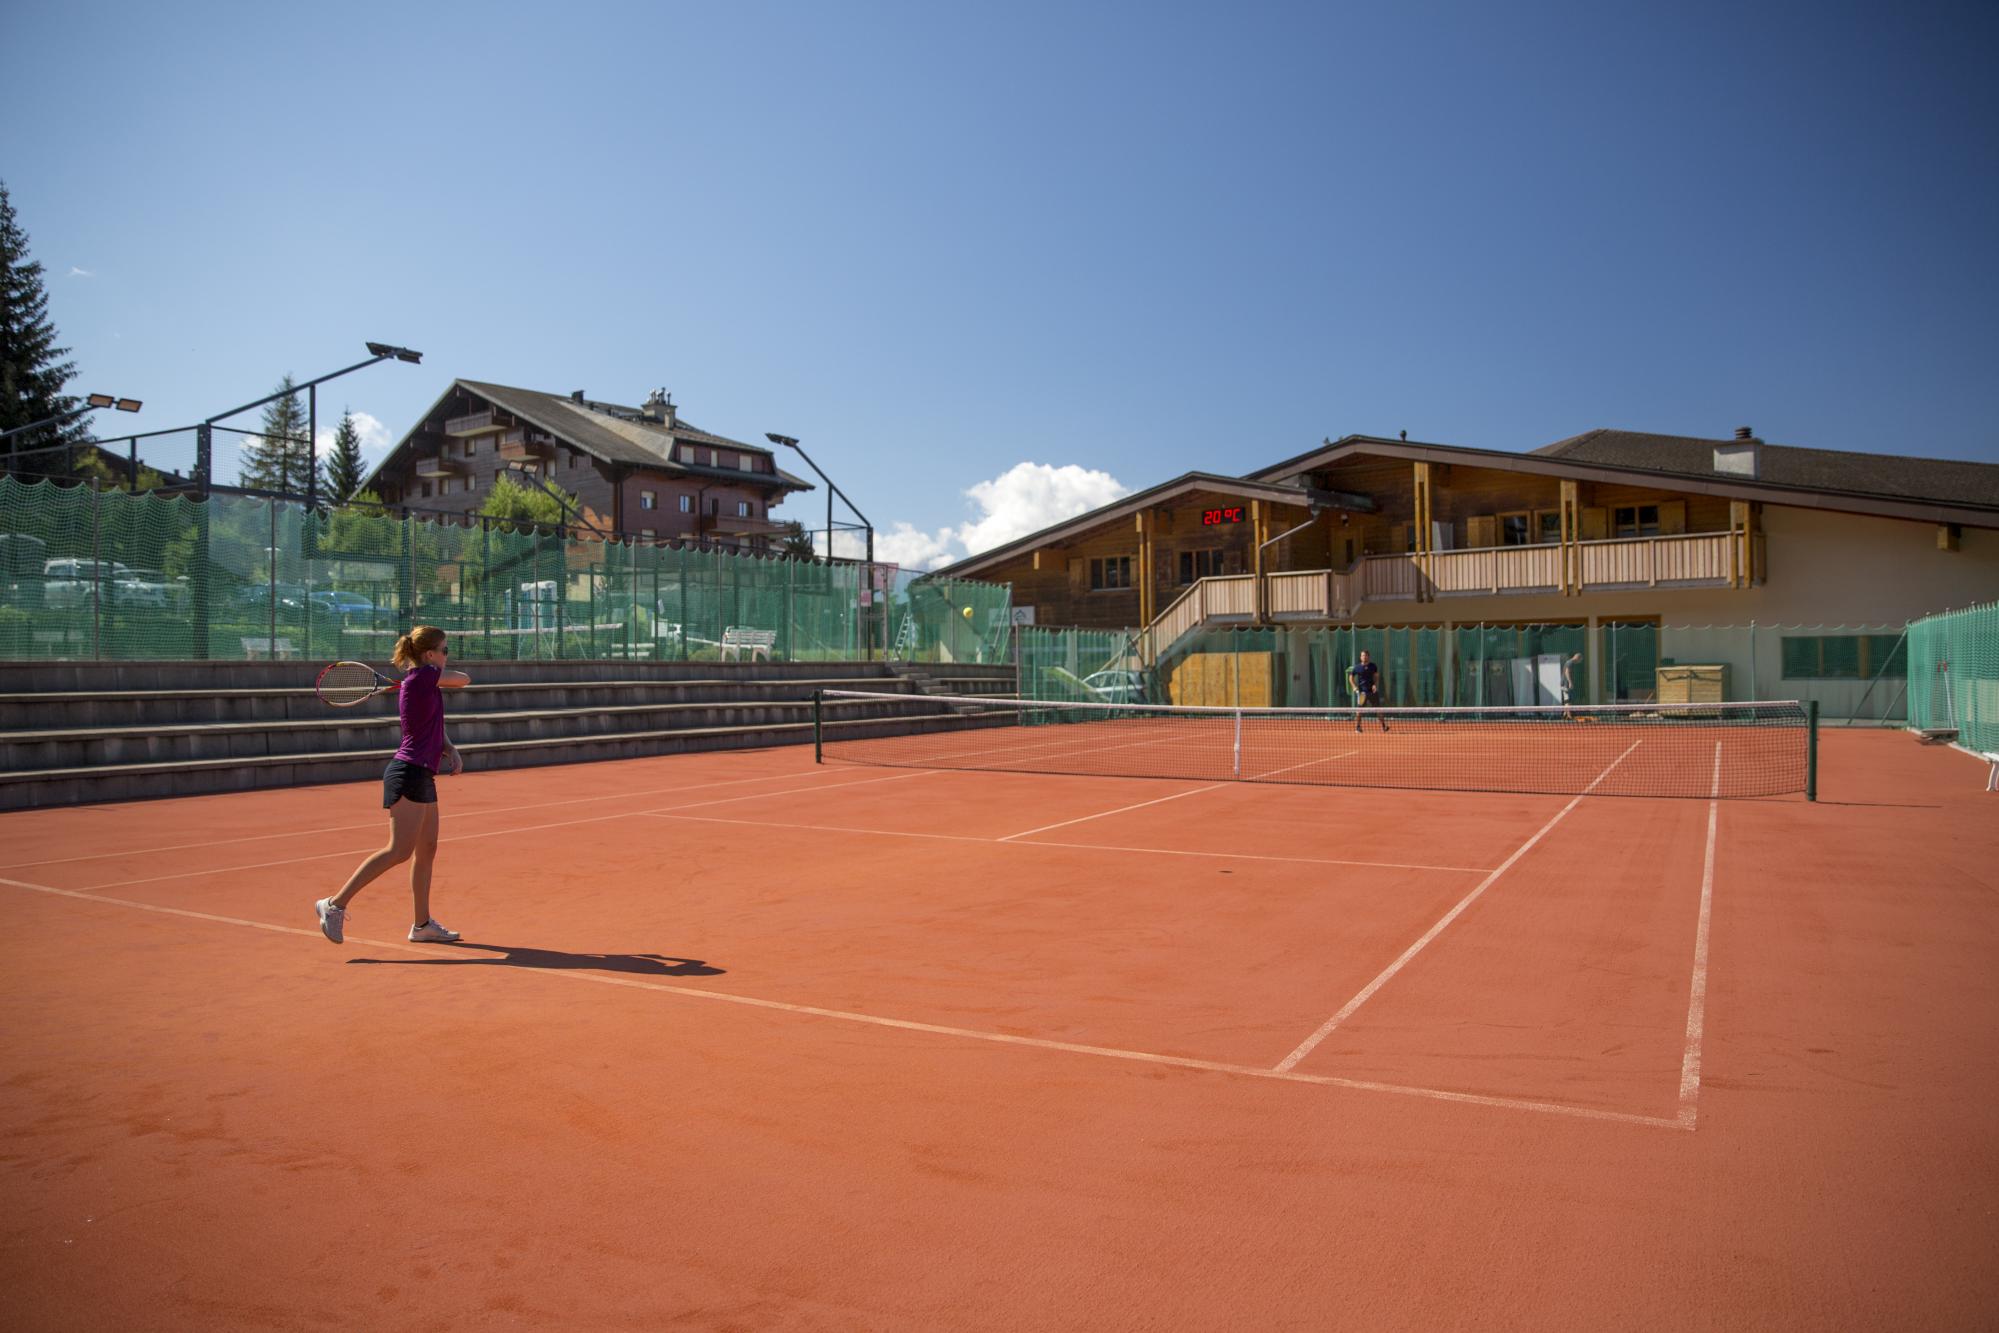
[32,369]
[280,457]
[796,542]
[344,470]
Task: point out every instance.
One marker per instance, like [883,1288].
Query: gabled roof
[606,431]
[1944,480]
[1131,504]
[1888,485]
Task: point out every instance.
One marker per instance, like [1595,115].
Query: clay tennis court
[735,1040]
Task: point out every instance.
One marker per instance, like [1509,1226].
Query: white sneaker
[332,920]
[432,933]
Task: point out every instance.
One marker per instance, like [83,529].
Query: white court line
[1084,819]
[1258,777]
[1690,1065]
[493,833]
[1367,991]
[377,823]
[1083,846]
[908,1025]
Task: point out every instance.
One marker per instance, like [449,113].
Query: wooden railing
[475,423]
[436,465]
[521,442]
[1697,559]
[1704,559]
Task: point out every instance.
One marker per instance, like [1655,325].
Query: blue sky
[1115,242]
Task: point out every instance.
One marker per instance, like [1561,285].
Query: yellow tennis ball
[968,613]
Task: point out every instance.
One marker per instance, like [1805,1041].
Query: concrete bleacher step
[189,777]
[118,731]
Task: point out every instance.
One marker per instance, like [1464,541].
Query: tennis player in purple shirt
[409,785]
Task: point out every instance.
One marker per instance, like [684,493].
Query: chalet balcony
[521,444]
[437,465]
[1694,560]
[476,423]
[729,525]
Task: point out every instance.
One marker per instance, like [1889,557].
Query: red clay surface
[734,1041]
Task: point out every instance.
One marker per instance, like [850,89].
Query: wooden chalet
[640,471]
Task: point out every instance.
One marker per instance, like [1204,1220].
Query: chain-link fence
[950,620]
[88,573]
[1954,675]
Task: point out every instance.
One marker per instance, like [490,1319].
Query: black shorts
[402,780]
[1372,699]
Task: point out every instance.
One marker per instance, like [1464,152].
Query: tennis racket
[345,684]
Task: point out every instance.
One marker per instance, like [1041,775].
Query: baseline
[909,1025]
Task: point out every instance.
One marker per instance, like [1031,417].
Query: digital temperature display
[1213,517]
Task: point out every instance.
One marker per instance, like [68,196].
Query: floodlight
[399,353]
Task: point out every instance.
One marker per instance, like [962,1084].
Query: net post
[1812,750]
[818,735]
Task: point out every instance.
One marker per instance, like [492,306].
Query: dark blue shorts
[402,780]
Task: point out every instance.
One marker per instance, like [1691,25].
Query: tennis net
[1689,750]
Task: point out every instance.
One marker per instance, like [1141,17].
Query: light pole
[204,434]
[92,403]
[831,490]
[204,463]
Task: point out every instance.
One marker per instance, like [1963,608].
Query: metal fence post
[96,571]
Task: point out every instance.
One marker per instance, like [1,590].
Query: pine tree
[344,469]
[279,457]
[32,369]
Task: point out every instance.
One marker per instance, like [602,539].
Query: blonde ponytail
[411,647]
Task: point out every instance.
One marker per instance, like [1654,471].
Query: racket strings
[345,683]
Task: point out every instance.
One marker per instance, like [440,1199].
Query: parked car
[72,581]
[22,559]
[144,587]
[1117,687]
[291,596]
[346,605]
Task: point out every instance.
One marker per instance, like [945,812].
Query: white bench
[269,650]
[759,642]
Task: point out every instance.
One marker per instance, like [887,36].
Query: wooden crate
[1688,683]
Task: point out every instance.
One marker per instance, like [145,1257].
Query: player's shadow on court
[634,964]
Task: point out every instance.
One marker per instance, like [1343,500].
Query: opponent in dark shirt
[1365,677]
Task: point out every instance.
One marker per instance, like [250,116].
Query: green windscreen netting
[950,620]
[1953,668]
[88,573]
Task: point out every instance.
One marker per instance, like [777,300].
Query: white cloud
[76,272]
[1026,498]
[375,438]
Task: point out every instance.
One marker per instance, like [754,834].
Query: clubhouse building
[1607,528]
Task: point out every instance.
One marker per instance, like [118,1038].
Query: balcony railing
[476,423]
[436,465]
[523,443]
[1693,560]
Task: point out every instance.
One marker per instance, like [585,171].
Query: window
[1549,523]
[1110,572]
[742,509]
[743,462]
[714,508]
[426,490]
[1513,529]
[714,458]
[648,533]
[648,500]
[686,504]
[1634,521]
[1844,656]
[444,486]
[575,460]
[1198,565]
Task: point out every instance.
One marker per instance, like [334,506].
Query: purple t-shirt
[421,705]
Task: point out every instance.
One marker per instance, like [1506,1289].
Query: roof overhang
[1734,488]
[1296,497]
